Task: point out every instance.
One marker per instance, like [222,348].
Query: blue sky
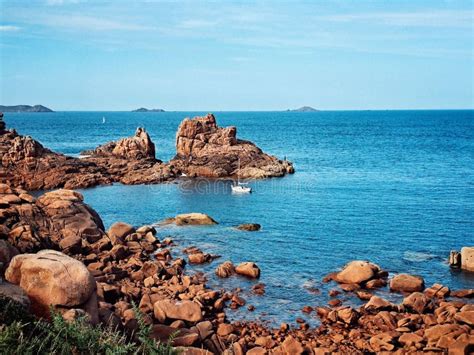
[196,55]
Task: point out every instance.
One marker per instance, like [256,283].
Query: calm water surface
[394,187]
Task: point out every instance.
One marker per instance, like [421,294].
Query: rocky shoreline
[54,250]
[203,150]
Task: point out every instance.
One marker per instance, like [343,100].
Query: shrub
[21,334]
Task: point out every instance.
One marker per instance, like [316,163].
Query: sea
[392,187]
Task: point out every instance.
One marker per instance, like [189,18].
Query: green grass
[20,333]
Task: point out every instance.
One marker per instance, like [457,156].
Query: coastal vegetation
[22,333]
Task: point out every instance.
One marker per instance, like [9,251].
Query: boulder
[179,310]
[249,227]
[51,278]
[183,337]
[378,304]
[357,272]
[248,269]
[407,283]
[438,291]
[118,231]
[465,317]
[416,302]
[225,269]
[206,150]
[292,346]
[467,258]
[186,219]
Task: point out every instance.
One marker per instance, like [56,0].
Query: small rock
[249,227]
[248,269]
[407,283]
[225,329]
[225,269]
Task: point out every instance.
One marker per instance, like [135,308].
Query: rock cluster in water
[203,149]
[207,150]
[54,251]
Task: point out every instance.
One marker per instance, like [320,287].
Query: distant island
[142,109]
[25,108]
[304,109]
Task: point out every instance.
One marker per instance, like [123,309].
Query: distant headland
[25,108]
[304,109]
[142,109]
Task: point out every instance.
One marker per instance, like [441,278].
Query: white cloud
[9,28]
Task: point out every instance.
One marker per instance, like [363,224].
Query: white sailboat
[240,187]
[103,119]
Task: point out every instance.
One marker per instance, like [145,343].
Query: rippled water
[395,187]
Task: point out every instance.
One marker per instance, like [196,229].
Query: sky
[252,55]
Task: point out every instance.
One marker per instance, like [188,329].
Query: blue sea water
[393,187]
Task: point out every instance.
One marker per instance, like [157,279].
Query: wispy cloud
[61,2]
[9,28]
[432,18]
[195,24]
[85,23]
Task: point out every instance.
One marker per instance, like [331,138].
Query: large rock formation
[26,163]
[58,219]
[204,149]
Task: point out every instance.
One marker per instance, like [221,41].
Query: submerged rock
[206,150]
[249,227]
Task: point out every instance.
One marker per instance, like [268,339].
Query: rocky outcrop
[139,146]
[463,259]
[206,150]
[59,219]
[51,278]
[26,163]
[203,149]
